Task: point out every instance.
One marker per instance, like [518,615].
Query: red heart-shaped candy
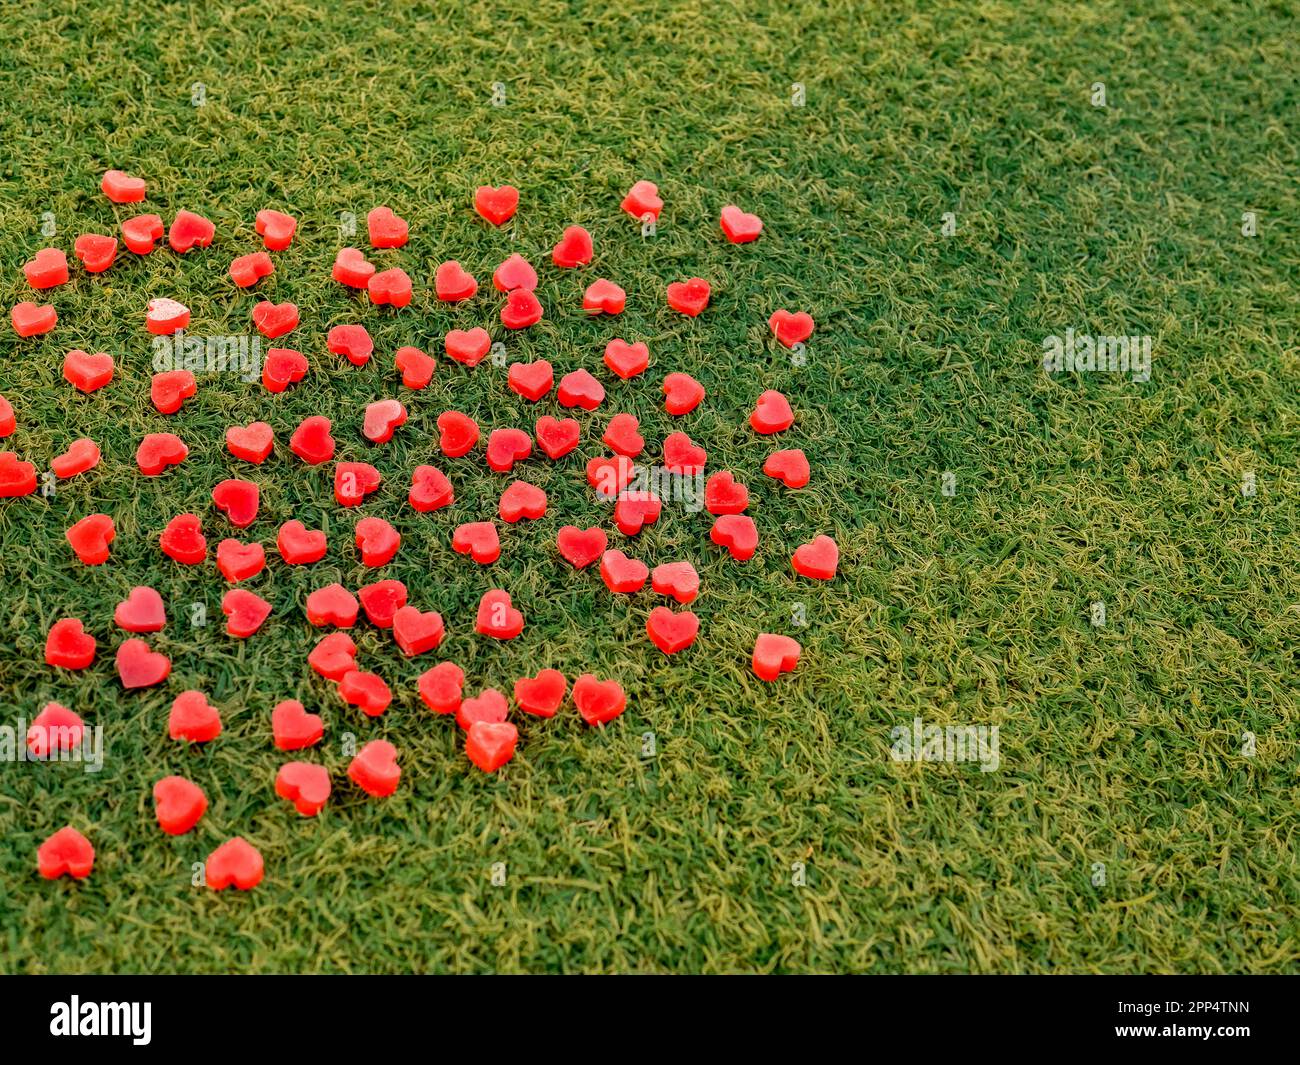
[275,319]
[574,248]
[818,559]
[158,451]
[163,316]
[312,441]
[689,297]
[54,729]
[334,655]
[515,272]
[299,545]
[352,269]
[275,228]
[48,268]
[522,309]
[292,727]
[497,617]
[622,574]
[737,533]
[17,478]
[772,413]
[66,853]
[677,579]
[491,744]
[415,367]
[352,342]
[90,538]
[682,393]
[183,540]
[416,632]
[170,389]
[580,389]
[441,687]
[635,510]
[30,320]
[604,297]
[621,435]
[496,205]
[193,718]
[375,770]
[387,230]
[283,367]
[723,494]
[381,419]
[141,611]
[365,690]
[789,467]
[599,702]
[190,231]
[643,200]
[304,784]
[682,455]
[68,645]
[178,804]
[332,605]
[87,373]
[774,655]
[140,233]
[353,481]
[121,187]
[739,227]
[506,447]
[532,380]
[381,601]
[672,632]
[96,252]
[521,500]
[244,612]
[238,500]
[453,283]
[467,346]
[392,287]
[248,270]
[235,862]
[479,540]
[430,489]
[541,695]
[252,442]
[610,475]
[489,707]
[377,541]
[82,455]
[626,360]
[791,329]
[238,562]
[581,547]
[557,438]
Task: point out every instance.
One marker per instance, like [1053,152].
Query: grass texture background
[1120,745]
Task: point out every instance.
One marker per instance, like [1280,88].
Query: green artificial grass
[1120,746]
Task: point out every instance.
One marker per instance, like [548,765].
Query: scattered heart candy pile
[490,737]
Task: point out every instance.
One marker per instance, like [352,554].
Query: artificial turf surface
[1120,746]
